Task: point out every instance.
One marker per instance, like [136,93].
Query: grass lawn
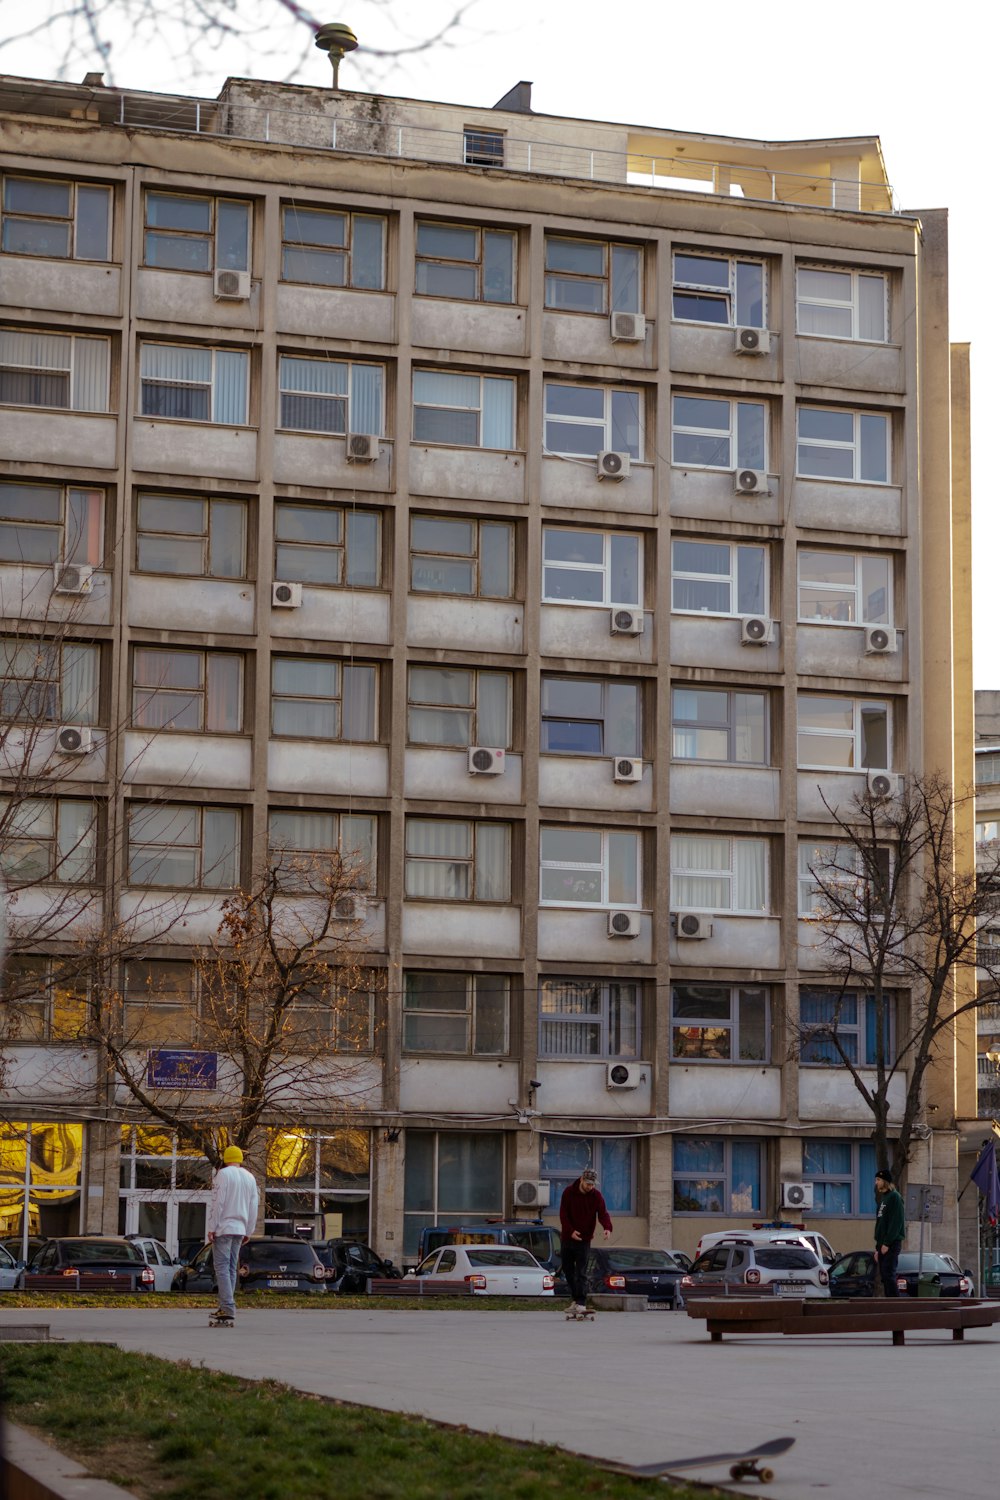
[181,1432]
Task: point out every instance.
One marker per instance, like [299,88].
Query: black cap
[885,1175]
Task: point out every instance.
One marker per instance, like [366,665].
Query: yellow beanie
[231,1155]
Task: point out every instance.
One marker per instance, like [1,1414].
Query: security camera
[534,1083]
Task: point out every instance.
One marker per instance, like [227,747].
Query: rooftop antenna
[336,39]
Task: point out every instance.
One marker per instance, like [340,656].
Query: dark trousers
[574,1267]
[887,1268]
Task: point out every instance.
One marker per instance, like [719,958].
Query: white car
[792,1269]
[489,1270]
[816,1242]
[156,1254]
[8,1271]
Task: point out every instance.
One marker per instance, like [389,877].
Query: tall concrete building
[565,514]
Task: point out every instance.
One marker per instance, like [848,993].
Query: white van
[792,1234]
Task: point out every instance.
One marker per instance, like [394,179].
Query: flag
[987,1180]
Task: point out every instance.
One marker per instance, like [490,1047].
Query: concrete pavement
[640,1387]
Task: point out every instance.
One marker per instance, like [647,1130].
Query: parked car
[773,1235]
[540,1240]
[266,1264]
[14,1245]
[636,1271]
[681,1257]
[9,1271]
[792,1269]
[157,1256]
[349,1265]
[86,1257]
[853,1275]
[490,1270]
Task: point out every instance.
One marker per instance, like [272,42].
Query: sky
[776,72]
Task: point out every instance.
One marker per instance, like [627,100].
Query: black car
[635,1271]
[349,1265]
[853,1275]
[87,1263]
[267,1264]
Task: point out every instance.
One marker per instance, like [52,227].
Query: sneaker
[580,1307]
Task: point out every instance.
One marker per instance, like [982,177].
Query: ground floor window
[842,1174]
[165,1189]
[565,1156]
[321,1178]
[41,1168]
[714,1175]
[451,1177]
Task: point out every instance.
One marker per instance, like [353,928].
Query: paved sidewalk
[868,1418]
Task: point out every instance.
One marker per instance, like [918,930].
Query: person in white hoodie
[231,1219]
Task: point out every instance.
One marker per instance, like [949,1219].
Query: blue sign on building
[174,1069]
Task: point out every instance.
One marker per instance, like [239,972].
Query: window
[717,1176]
[183,846]
[327,546]
[591,716]
[987,767]
[44,683]
[188,536]
[584,420]
[457,707]
[325,395]
[843,1177]
[465,411]
[721,725]
[719,289]
[483,148]
[719,578]
[161,1002]
[47,839]
[590,866]
[465,263]
[450,555]
[720,1023]
[190,384]
[44,1001]
[838,444]
[833,877]
[468,1014]
[849,1017]
[311,848]
[717,874]
[68,372]
[592,276]
[591,567]
[451,1177]
[198,692]
[589,1018]
[316,1172]
[842,734]
[988,832]
[335,1015]
[59,220]
[196,234]
[51,523]
[324,248]
[453,860]
[315,698]
[845,588]
[565,1156]
[712,432]
[842,304]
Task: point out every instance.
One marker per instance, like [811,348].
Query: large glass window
[319,1172]
[452,706]
[719,578]
[189,536]
[565,1156]
[591,716]
[199,692]
[451,1177]
[58,220]
[65,371]
[468,1014]
[834,876]
[186,233]
[450,859]
[47,839]
[464,262]
[323,247]
[183,846]
[845,588]
[308,848]
[51,523]
[592,276]
[828,1017]
[589,1018]
[452,555]
[326,395]
[44,1000]
[591,866]
[718,874]
[834,443]
[728,289]
[713,432]
[584,420]
[842,1174]
[721,725]
[327,546]
[161,1002]
[186,383]
[591,567]
[720,1023]
[45,683]
[713,1175]
[838,304]
[842,734]
[316,698]
[464,411]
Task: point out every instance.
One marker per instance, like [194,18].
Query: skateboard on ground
[221,1320]
[572,1316]
[745,1465]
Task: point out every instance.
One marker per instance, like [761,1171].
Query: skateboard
[572,1316]
[745,1465]
[218,1321]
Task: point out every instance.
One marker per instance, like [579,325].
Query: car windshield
[501,1257]
[786,1260]
[105,1252]
[911,1260]
[621,1259]
[283,1252]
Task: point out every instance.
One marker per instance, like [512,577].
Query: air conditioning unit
[531,1194]
[693,926]
[624,1075]
[286,595]
[71,740]
[483,762]
[73,578]
[362,448]
[350,907]
[751,482]
[628,768]
[879,640]
[626,622]
[624,923]
[883,784]
[613,465]
[756,631]
[796,1195]
[628,328]
[232,286]
[752,341]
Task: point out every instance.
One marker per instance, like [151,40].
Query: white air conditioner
[628,328]
[624,923]
[624,1075]
[350,907]
[484,762]
[880,640]
[286,595]
[752,341]
[72,578]
[693,926]
[362,448]
[796,1195]
[626,622]
[883,784]
[628,768]
[232,286]
[751,482]
[613,465]
[531,1194]
[756,631]
[71,740]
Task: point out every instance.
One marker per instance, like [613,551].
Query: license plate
[791,1289]
[283,1284]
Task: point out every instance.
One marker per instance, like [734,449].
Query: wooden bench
[820,1315]
[410,1286]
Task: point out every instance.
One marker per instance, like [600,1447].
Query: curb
[33,1470]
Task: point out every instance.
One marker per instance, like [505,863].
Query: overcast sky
[774,72]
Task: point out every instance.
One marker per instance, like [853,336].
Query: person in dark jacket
[581,1207]
[890,1227]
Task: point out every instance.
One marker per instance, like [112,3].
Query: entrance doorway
[178,1219]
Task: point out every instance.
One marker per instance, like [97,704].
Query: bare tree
[897,925]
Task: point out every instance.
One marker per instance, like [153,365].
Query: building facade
[563,514]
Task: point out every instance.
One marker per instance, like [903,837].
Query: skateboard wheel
[736,1471]
[765,1476]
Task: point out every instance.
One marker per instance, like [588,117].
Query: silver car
[8,1271]
[792,1270]
[156,1254]
[489,1270]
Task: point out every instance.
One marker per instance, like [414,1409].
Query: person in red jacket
[580,1208]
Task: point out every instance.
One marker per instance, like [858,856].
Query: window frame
[732,1026]
[343,666]
[855,736]
[479,263]
[219,259]
[745,458]
[854,448]
[819,1034]
[735,549]
[475,558]
[163,1003]
[857,590]
[137,806]
[352,399]
[605,568]
[699,1176]
[472,709]
[76,400]
[40,1009]
[352,519]
[608,1026]
[726,874]
[851,304]
[482,147]
[858,1179]
[60,844]
[605,902]
[349,250]
[470,983]
[212,505]
[290,861]
[614,299]
[167,383]
[477,876]
[431,406]
[730,727]
[711,292]
[209,684]
[854,876]
[607,687]
[592,1151]
[53,709]
[72,219]
[605,424]
[87,548]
